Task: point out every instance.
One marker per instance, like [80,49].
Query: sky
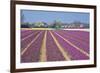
[51,16]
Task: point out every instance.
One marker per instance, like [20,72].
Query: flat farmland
[54,45]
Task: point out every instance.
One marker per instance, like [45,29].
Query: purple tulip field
[54,45]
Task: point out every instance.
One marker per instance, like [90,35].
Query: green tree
[57,24]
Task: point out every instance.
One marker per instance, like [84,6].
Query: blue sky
[50,16]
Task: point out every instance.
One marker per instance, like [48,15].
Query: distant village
[56,24]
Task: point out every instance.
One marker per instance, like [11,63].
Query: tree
[22,18]
[57,24]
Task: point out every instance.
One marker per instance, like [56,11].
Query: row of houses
[54,25]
